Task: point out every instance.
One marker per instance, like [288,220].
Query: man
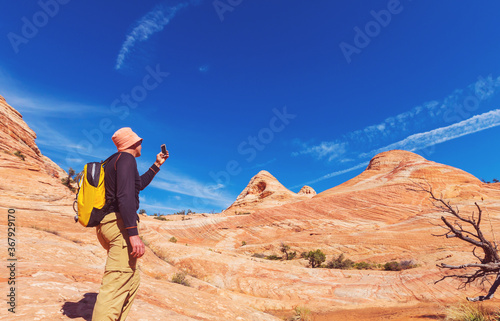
[118,232]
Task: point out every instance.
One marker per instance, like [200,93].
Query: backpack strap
[107,159]
[116,160]
[106,206]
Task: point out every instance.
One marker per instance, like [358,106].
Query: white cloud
[59,141]
[440,135]
[333,174]
[154,21]
[153,207]
[27,103]
[160,207]
[426,139]
[171,182]
[455,107]
[331,149]
[204,68]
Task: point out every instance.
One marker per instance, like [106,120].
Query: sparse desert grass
[159,254]
[48,230]
[161,218]
[146,243]
[403,265]
[259,255]
[20,155]
[241,213]
[471,312]
[300,313]
[180,278]
[55,232]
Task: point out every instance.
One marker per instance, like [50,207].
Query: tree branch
[468,230]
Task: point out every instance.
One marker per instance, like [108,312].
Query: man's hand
[161,158]
[138,247]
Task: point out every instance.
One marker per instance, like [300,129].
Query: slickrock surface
[60,263]
[377,217]
[265,191]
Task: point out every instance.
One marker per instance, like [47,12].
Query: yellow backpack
[90,200]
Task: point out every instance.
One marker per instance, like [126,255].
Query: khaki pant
[121,278]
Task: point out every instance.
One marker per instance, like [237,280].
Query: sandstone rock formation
[307,190]
[376,217]
[60,263]
[265,191]
[27,177]
[17,137]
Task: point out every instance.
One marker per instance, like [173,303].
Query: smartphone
[164,149]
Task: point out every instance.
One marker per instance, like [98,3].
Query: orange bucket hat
[124,138]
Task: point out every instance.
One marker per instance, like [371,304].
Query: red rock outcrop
[60,264]
[307,190]
[27,177]
[377,216]
[265,191]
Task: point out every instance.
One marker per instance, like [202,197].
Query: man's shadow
[81,309]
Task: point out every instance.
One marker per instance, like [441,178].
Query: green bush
[392,266]
[343,263]
[364,265]
[273,257]
[315,258]
[285,249]
[243,243]
[69,180]
[340,263]
[173,239]
[407,264]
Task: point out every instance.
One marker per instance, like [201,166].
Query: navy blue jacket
[123,184]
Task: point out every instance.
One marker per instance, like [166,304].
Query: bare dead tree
[467,229]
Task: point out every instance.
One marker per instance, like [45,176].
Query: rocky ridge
[377,216]
[27,176]
[265,191]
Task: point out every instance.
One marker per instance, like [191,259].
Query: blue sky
[308,90]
